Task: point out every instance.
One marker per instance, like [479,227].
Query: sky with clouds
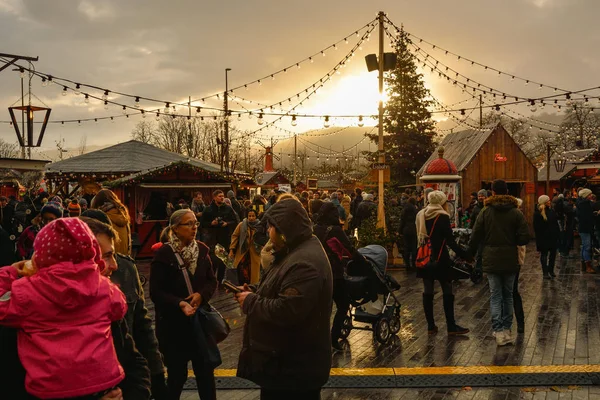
[170,50]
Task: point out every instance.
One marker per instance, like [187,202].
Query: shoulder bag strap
[443,242]
[183,269]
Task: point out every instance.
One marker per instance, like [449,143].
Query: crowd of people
[70,283]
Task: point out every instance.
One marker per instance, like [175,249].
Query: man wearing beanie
[481,196]
[585,216]
[499,229]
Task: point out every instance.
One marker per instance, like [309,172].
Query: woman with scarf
[433,222]
[244,251]
[547,233]
[175,305]
[105,200]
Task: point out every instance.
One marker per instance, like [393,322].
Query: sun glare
[355,94]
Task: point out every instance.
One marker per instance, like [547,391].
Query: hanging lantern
[560,164]
[26,138]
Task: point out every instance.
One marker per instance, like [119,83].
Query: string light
[64,91]
[106,104]
[361,123]
[87,99]
[77,89]
[105,96]
[137,102]
[326,122]
[294,122]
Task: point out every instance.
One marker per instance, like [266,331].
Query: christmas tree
[409,139]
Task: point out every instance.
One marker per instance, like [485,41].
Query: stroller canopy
[376,254]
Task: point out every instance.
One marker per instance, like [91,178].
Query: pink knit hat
[66,240]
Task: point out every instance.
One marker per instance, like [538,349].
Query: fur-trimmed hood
[501,202]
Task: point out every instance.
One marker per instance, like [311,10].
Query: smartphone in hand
[230,286]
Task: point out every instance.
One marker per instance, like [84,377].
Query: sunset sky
[170,50]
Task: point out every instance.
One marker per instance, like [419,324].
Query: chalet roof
[263,178]
[461,147]
[132,156]
[573,157]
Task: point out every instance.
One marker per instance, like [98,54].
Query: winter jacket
[65,306]
[365,210]
[218,234]
[120,223]
[408,218]
[138,320]
[500,228]
[346,202]
[585,216]
[547,231]
[441,238]
[135,386]
[248,249]
[333,239]
[354,205]
[341,211]
[476,210]
[287,342]
[168,288]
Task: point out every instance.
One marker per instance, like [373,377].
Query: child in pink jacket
[64,312]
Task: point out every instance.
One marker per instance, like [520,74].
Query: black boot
[519,313]
[582,266]
[428,308]
[453,328]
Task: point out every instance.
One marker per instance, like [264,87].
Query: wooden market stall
[569,170]
[144,177]
[481,156]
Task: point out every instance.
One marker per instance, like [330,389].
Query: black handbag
[210,320]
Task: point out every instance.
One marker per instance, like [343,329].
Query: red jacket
[64,314]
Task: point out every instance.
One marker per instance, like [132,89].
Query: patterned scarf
[189,253]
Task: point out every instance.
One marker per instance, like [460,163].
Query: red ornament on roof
[441,166]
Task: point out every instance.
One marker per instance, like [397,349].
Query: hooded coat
[500,228]
[287,342]
[64,313]
[333,238]
[547,231]
[120,223]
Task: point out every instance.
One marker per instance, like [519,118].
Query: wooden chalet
[270,180]
[482,156]
[145,178]
[579,168]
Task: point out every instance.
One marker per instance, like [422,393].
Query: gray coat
[287,342]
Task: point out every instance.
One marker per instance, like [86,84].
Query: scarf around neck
[429,212]
[189,254]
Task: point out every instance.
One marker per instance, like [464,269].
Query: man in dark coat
[365,210]
[354,206]
[408,230]
[585,216]
[499,229]
[481,196]
[286,348]
[235,204]
[218,221]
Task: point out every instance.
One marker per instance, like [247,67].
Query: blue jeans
[586,246]
[501,300]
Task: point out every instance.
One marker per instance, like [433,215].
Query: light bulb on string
[86,99]
[96,120]
[294,122]
[157,116]
[44,82]
[143,114]
[260,119]
[64,91]
[77,89]
[167,108]
[112,120]
[50,81]
[106,104]
[361,123]
[124,110]
[198,111]
[326,122]
[137,102]
[239,117]
[105,95]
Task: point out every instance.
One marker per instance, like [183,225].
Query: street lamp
[28,111]
[560,164]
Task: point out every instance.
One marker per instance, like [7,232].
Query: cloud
[96,11]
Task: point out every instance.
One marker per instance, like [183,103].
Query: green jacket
[499,229]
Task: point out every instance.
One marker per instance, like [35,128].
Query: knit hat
[230,194]
[57,199]
[53,208]
[97,215]
[83,202]
[543,199]
[66,240]
[499,187]
[437,197]
[74,207]
[482,192]
[584,193]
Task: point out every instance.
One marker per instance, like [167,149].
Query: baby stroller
[366,280]
[463,269]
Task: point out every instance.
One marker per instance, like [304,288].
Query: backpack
[424,260]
